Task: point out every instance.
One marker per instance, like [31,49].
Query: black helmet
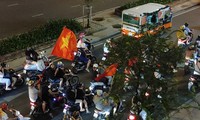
[186,24]
[3,64]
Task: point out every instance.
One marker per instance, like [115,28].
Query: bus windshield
[131,19]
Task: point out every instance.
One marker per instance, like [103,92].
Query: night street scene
[100,60]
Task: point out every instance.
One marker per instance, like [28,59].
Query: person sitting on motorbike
[102,101]
[80,98]
[106,48]
[50,76]
[187,30]
[40,64]
[197,42]
[7,77]
[197,67]
[59,73]
[107,80]
[182,37]
[83,58]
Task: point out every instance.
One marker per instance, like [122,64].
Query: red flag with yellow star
[65,45]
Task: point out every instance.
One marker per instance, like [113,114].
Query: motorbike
[78,65]
[142,115]
[184,42]
[44,57]
[20,80]
[194,83]
[109,110]
[36,110]
[94,86]
[189,66]
[71,111]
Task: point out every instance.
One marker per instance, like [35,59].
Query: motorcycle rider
[80,98]
[106,48]
[6,78]
[183,38]
[197,67]
[59,73]
[187,30]
[81,45]
[3,115]
[50,74]
[197,42]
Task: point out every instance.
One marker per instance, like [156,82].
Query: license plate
[73,64]
[95,115]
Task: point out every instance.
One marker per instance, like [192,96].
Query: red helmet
[4,106]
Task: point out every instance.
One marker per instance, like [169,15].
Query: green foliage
[45,33]
[152,54]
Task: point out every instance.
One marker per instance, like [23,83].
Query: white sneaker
[174,70]
[87,70]
[8,89]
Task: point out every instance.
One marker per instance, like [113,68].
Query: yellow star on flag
[65,41]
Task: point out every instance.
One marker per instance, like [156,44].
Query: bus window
[131,19]
[167,17]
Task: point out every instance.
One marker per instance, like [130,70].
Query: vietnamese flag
[110,71]
[65,45]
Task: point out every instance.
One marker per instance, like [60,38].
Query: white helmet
[95,65]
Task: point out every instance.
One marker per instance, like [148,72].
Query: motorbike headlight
[19,75]
[90,88]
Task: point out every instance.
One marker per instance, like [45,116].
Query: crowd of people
[42,77]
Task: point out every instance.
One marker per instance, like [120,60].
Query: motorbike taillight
[132,117]
[32,104]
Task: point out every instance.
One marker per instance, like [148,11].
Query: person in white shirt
[3,80]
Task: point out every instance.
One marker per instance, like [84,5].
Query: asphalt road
[19,16]
[22,103]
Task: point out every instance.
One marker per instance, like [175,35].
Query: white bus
[149,18]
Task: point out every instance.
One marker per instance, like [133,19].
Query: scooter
[71,111]
[19,80]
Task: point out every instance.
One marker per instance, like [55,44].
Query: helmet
[60,64]
[182,27]
[186,24]
[53,89]
[95,65]
[81,35]
[4,106]
[3,64]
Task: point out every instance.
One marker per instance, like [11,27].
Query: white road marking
[14,4]
[12,97]
[186,11]
[37,15]
[76,6]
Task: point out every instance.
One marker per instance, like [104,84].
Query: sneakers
[87,70]
[82,110]
[88,112]
[8,89]
[174,70]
